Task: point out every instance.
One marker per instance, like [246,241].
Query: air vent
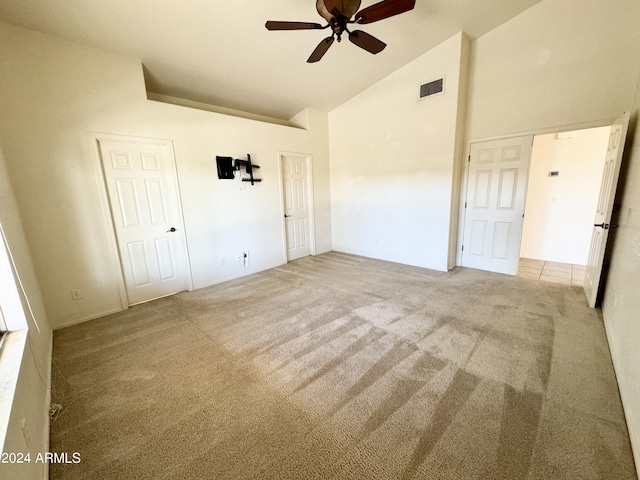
[432,88]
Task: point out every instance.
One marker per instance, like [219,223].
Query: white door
[296,206]
[145,205]
[494,208]
[604,210]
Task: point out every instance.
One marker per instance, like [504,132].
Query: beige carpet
[342,367]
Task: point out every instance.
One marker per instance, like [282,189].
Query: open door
[602,222]
[494,206]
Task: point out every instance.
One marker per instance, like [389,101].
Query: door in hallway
[604,210]
[495,200]
[145,206]
[295,184]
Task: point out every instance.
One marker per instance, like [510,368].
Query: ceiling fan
[338,13]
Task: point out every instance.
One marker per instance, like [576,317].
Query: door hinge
[469,158]
[463,248]
[465,204]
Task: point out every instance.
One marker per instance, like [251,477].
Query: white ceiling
[219,52]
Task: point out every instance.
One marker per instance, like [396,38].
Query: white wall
[393,163]
[560,210]
[31,398]
[621,302]
[55,95]
[559,63]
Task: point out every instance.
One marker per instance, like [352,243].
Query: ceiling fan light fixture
[322,10]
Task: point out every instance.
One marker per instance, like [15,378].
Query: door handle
[172,229]
[287,216]
[602,225]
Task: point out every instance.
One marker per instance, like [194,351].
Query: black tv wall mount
[227,166]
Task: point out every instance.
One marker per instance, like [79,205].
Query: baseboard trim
[47,429]
[622,388]
[76,321]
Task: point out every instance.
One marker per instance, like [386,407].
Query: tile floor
[555,272]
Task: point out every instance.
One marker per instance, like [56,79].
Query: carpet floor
[344,367]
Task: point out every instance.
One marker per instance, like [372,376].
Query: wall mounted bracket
[248,167]
[227,166]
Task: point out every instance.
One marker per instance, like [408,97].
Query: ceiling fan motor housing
[338,25]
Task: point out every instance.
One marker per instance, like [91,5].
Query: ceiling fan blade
[271,25]
[368,42]
[344,7]
[384,9]
[320,50]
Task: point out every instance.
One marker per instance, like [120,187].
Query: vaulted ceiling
[219,52]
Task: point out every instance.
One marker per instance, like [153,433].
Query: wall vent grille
[432,88]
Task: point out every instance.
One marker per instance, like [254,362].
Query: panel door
[296,206]
[145,206]
[602,221]
[496,191]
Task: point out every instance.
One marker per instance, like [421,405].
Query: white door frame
[310,201]
[95,139]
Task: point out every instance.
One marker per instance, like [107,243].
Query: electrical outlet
[76,294]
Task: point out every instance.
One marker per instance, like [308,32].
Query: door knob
[172,229]
[602,225]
